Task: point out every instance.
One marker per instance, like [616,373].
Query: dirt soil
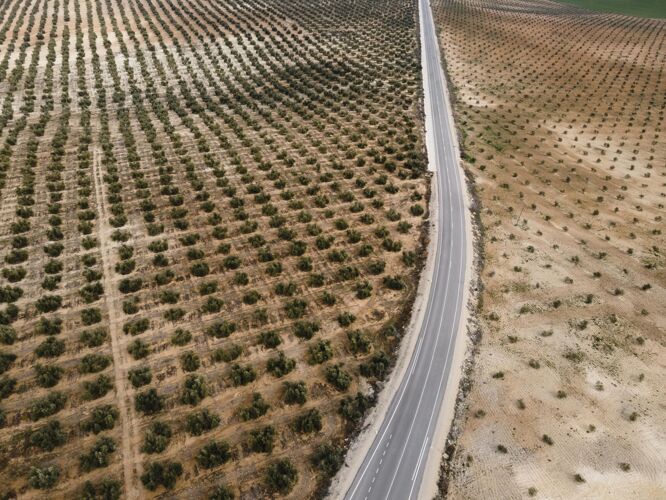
[561,117]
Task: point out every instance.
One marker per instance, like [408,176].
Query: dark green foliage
[310,421]
[394,282]
[161,474]
[242,375]
[194,390]
[189,361]
[140,376]
[270,339]
[377,267]
[214,454]
[377,366]
[98,456]
[50,348]
[358,342]
[286,289]
[181,337]
[14,274]
[256,409]
[49,326]
[148,402]
[48,437]
[295,393]
[91,292]
[48,303]
[6,360]
[136,327]
[7,386]
[328,458]
[93,363]
[130,285]
[229,354]
[280,365]
[47,405]
[213,305]
[208,287]
[320,352]
[91,316]
[281,476]
[7,335]
[363,290]
[157,438]
[295,308]
[97,388]
[49,375]
[102,418]
[416,210]
[262,440]
[305,329]
[106,489]
[200,269]
[354,407]
[93,338]
[339,378]
[9,314]
[10,294]
[138,349]
[222,492]
[43,478]
[221,329]
[251,297]
[202,421]
[346,319]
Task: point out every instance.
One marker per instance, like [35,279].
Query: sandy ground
[562,119]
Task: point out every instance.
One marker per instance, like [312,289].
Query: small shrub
[157,438]
[201,421]
[103,418]
[257,408]
[48,437]
[43,478]
[98,456]
[139,377]
[161,474]
[242,375]
[280,365]
[337,377]
[50,348]
[97,388]
[281,476]
[308,422]
[262,440]
[328,458]
[93,363]
[189,361]
[295,393]
[214,454]
[47,406]
[354,407]
[148,402]
[194,390]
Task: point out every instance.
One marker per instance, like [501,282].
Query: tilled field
[562,115]
[211,223]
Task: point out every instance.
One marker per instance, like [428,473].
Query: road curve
[394,465]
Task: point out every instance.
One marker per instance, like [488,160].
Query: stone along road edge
[402,447]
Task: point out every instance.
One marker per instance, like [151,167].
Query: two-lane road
[394,465]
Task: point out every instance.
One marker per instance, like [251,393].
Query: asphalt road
[394,465]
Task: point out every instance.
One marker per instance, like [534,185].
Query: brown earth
[165,166]
[561,115]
